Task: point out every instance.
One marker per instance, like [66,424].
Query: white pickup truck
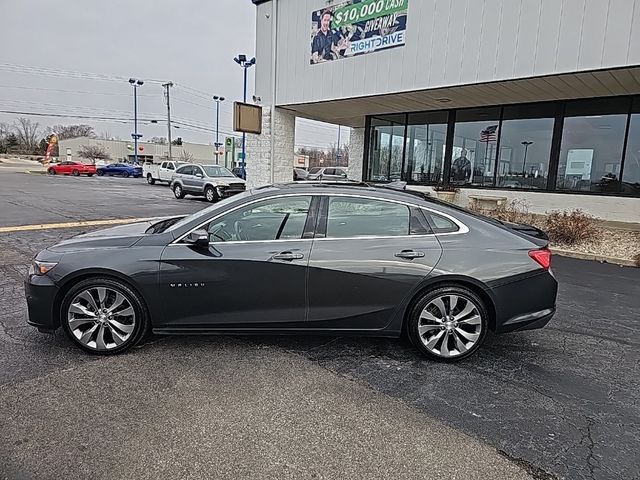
[162,172]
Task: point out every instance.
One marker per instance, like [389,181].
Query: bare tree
[65,132]
[94,152]
[28,134]
[186,156]
[158,140]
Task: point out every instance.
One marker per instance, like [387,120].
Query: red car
[72,168]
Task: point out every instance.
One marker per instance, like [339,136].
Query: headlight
[41,268]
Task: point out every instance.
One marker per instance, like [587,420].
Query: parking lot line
[85,223]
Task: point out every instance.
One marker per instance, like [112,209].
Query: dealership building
[537,100]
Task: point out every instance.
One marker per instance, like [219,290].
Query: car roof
[352,187]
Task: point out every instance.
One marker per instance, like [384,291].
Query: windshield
[216,171]
[220,205]
[315,170]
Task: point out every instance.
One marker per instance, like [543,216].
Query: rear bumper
[525,303]
[41,293]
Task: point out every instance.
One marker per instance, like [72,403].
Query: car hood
[120,236]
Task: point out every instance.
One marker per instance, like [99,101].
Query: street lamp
[217,99]
[245,64]
[135,83]
[524,161]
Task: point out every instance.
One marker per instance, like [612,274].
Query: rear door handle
[409,254]
[288,256]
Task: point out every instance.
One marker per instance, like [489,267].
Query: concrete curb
[35,172]
[596,258]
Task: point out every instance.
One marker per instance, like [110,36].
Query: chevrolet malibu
[335,259]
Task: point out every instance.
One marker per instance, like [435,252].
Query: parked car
[120,169]
[299,258]
[300,174]
[210,181]
[327,173]
[71,168]
[163,172]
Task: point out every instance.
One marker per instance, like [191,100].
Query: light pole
[245,64]
[136,83]
[217,99]
[524,161]
[167,86]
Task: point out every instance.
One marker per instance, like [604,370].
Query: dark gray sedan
[300,259]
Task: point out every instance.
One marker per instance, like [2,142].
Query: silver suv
[327,173]
[210,181]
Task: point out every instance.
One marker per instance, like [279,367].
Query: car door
[188,175]
[253,272]
[368,255]
[110,169]
[197,180]
[64,168]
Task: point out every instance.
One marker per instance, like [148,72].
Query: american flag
[489,134]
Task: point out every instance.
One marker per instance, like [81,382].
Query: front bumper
[225,192]
[525,303]
[41,294]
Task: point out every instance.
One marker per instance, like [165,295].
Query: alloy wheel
[101,318]
[450,325]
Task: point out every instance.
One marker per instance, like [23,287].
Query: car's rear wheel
[51,171]
[125,174]
[75,173]
[210,194]
[177,191]
[103,316]
[448,323]
[150,179]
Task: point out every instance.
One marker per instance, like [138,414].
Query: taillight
[542,257]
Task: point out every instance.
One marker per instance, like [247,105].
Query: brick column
[356,154]
[259,149]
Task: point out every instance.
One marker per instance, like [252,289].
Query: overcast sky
[191,43]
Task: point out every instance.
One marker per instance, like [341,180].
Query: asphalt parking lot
[558,402]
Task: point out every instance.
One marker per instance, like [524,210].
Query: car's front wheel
[448,323]
[210,194]
[100,173]
[177,191]
[103,316]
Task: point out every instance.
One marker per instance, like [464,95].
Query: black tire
[414,321]
[100,173]
[125,174]
[150,179]
[75,173]
[141,325]
[51,171]
[178,191]
[211,194]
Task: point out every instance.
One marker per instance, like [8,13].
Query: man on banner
[327,44]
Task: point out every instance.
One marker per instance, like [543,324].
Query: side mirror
[199,175]
[198,238]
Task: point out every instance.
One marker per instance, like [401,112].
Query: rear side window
[440,224]
[185,170]
[357,217]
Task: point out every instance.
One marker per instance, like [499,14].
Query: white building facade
[537,100]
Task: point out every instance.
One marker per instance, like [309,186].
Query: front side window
[357,217]
[274,219]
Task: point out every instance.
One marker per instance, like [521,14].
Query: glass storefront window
[592,142]
[386,145]
[424,153]
[631,173]
[475,146]
[525,146]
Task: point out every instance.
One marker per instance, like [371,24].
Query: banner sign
[357,27]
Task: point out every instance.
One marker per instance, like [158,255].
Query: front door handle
[409,254]
[288,256]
